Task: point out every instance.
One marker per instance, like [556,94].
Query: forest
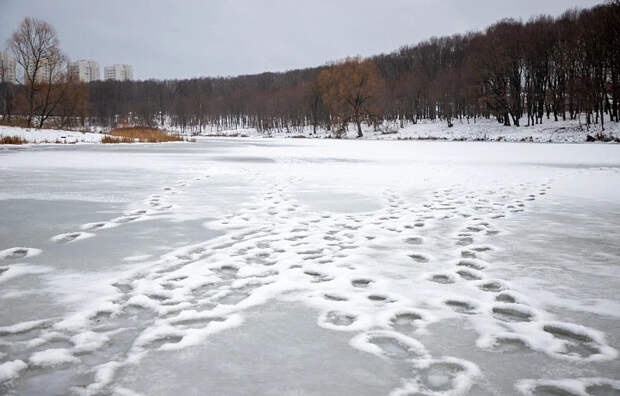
[519,73]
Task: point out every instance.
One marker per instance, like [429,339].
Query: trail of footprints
[154,206]
[277,247]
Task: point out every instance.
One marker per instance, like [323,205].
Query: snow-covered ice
[281,266]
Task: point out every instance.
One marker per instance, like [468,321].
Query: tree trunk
[359,127]
[603,116]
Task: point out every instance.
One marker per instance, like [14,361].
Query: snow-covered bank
[56,136]
[51,136]
[569,131]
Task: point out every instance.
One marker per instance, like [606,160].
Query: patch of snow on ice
[52,357]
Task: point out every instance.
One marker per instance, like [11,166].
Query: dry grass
[116,139]
[141,134]
[15,122]
[12,140]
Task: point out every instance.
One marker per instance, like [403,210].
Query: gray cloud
[192,38]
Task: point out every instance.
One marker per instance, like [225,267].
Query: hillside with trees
[519,73]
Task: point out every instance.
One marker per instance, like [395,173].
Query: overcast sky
[193,38]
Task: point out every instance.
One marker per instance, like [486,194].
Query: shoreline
[555,132]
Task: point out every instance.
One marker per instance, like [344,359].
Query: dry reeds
[142,135]
[116,139]
[12,140]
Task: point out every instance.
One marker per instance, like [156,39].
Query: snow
[22,327]
[51,136]
[569,131]
[572,386]
[104,375]
[562,131]
[138,258]
[10,370]
[88,341]
[70,237]
[52,357]
[445,376]
[19,252]
[19,270]
[444,266]
[365,342]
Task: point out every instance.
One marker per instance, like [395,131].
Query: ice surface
[310,267]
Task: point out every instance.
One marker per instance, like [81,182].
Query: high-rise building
[7,68]
[85,70]
[49,70]
[118,72]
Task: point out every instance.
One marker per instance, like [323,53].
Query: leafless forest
[519,73]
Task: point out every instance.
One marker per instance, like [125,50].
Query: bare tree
[3,68]
[5,102]
[36,49]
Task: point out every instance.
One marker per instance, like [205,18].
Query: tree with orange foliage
[351,89]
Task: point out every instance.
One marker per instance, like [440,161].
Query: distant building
[47,71]
[118,72]
[7,68]
[85,70]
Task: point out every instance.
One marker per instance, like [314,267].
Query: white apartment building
[47,71]
[7,68]
[118,72]
[85,70]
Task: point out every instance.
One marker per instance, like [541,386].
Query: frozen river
[310,267]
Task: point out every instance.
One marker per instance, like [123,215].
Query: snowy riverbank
[54,136]
[569,131]
[50,136]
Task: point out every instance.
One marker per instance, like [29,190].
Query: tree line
[520,74]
